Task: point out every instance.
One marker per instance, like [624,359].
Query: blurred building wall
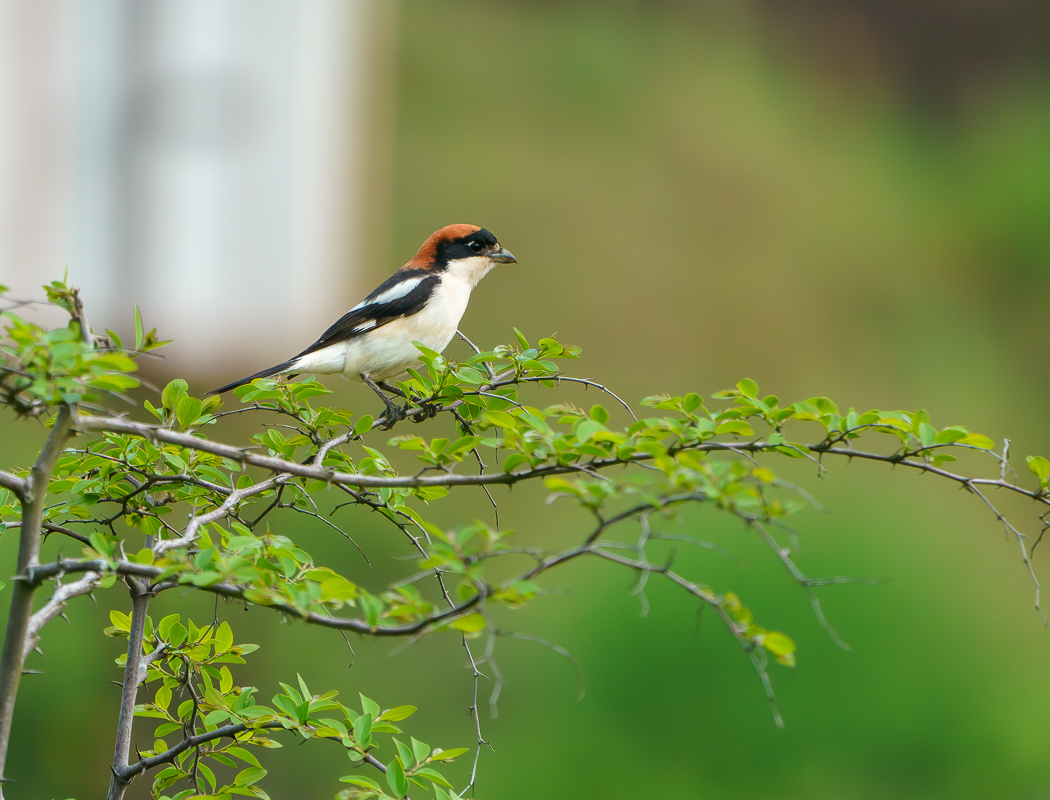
[203,159]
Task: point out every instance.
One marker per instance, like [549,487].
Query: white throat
[470,270]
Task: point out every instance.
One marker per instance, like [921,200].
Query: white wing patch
[365,326]
[391,294]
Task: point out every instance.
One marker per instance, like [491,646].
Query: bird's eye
[475,246]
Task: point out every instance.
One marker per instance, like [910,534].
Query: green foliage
[166,505]
[193,690]
[61,365]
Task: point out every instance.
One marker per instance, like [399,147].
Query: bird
[423,302]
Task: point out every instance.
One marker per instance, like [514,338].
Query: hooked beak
[504,256]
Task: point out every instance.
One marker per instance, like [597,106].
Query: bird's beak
[504,256]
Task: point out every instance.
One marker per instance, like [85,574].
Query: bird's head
[462,249]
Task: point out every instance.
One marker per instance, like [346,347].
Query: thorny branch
[66,566]
[12,659]
[140,597]
[372,491]
[54,607]
[449,479]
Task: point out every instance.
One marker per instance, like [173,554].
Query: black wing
[375,312]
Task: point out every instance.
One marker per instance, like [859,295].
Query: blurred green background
[849,200]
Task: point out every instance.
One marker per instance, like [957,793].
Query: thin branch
[1010,529]
[560,378]
[140,597]
[41,573]
[712,601]
[168,756]
[17,486]
[279,465]
[56,605]
[51,527]
[196,522]
[785,557]
[557,648]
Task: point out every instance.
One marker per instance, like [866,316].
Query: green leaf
[188,411]
[364,425]
[586,430]
[242,754]
[927,434]
[448,755]
[420,750]
[369,706]
[338,589]
[977,440]
[501,419]
[249,776]
[471,623]
[748,387]
[120,620]
[513,461]
[472,376]
[174,392]
[223,638]
[599,414]
[361,780]
[432,775]
[781,647]
[397,713]
[140,336]
[951,435]
[462,445]
[363,730]
[734,426]
[1040,467]
[395,777]
[164,627]
[177,634]
[404,753]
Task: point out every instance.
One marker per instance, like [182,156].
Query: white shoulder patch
[395,292]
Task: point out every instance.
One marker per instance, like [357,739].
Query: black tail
[266,373]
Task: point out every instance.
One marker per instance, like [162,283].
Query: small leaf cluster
[777,644]
[194,694]
[914,430]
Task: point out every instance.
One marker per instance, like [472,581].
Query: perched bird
[423,301]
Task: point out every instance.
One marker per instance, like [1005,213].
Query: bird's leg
[394,413]
[426,410]
[386,387]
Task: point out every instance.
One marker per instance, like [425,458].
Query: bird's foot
[393,415]
[427,410]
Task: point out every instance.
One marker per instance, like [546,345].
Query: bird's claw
[426,411]
[394,414]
